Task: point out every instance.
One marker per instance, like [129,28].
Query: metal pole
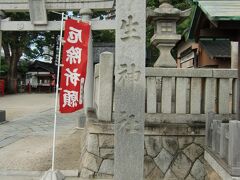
[56,97]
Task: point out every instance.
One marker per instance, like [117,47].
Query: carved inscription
[126,73]
[128,123]
[129,28]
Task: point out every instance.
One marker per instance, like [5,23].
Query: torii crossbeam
[54,5]
[38,13]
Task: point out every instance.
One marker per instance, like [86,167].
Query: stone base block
[2,116]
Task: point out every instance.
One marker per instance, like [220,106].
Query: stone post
[88,90]
[129,94]
[234,145]
[234,55]
[224,138]
[104,111]
[209,129]
[234,65]
[165,19]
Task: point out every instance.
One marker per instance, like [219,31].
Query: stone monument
[165,37]
[129,90]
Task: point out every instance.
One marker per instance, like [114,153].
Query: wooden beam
[51,26]
[218,33]
[57,5]
[226,25]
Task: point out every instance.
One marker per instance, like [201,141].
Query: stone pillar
[129,94]
[88,89]
[106,65]
[234,55]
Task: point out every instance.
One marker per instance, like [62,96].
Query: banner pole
[56,96]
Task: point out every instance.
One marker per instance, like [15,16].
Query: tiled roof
[46,66]
[220,9]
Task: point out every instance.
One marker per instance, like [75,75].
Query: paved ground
[26,139]
[20,105]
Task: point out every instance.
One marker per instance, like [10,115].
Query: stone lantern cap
[166,11]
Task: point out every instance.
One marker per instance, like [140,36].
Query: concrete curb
[66,173]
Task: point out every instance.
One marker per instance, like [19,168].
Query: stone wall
[172,151]
[174,157]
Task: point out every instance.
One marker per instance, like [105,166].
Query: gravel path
[26,139]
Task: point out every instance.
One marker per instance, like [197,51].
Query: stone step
[36,175]
[32,175]
[38,178]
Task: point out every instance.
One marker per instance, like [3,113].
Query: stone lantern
[165,19]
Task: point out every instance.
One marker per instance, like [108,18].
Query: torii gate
[38,14]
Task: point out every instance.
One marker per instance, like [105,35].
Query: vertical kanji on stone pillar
[129,95]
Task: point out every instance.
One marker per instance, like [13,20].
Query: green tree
[3,67]
[14,44]
[23,67]
[49,40]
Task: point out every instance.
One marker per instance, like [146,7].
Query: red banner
[74,60]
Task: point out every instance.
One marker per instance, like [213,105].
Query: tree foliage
[14,44]
[23,67]
[3,67]
[105,35]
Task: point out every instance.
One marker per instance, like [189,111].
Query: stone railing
[171,92]
[222,143]
[191,91]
